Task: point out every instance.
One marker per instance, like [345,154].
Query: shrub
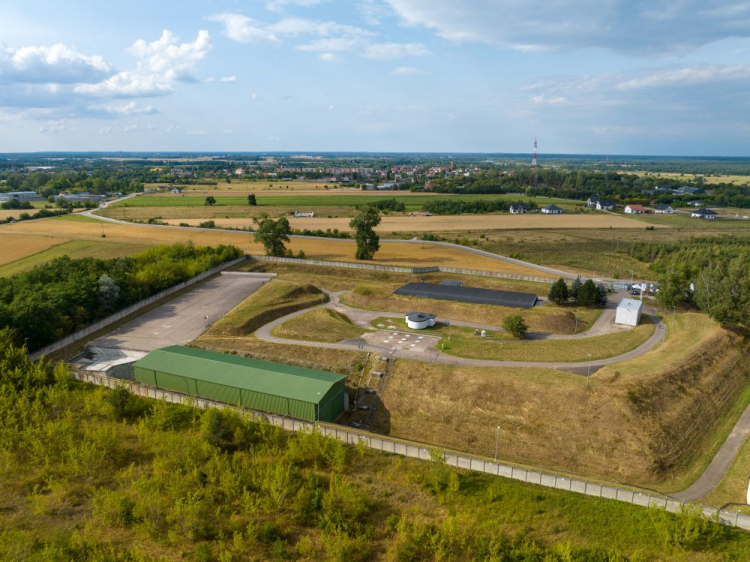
[516,325]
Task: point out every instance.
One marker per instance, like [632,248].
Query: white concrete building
[628,312]
[420,320]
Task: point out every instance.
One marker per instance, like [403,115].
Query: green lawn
[74,249]
[502,348]
[412,202]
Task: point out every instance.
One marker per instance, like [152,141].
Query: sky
[647,77]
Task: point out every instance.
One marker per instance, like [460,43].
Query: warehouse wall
[332,404]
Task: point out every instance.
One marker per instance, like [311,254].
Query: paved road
[720,463]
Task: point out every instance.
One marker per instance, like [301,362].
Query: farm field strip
[391,253]
[16,247]
[458,223]
[413,201]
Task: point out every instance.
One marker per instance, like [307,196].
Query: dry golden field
[238,187]
[711,180]
[458,223]
[18,246]
[392,253]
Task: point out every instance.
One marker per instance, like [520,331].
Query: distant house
[604,205]
[388,185]
[176,191]
[518,208]
[695,203]
[635,209]
[369,186]
[663,209]
[703,214]
[687,189]
[301,215]
[20,195]
[592,201]
[552,210]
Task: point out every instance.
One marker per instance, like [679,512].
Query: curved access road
[364,318]
[540,268]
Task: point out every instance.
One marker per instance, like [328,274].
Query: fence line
[109,320]
[402,269]
[422,451]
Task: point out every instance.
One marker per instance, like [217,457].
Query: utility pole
[497,438]
[588,373]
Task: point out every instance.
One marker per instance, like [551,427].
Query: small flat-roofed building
[551,210]
[281,389]
[420,320]
[628,312]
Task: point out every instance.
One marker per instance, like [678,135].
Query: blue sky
[606,76]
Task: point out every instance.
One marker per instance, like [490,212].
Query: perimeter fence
[425,452]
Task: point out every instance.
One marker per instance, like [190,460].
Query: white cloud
[254,96]
[105,130]
[53,127]
[326,37]
[57,64]
[331,107]
[130,108]
[228,79]
[686,76]
[327,57]
[407,71]
[159,66]
[278,5]
[195,133]
[211,79]
[131,128]
[653,28]
[391,51]
[228,131]
[244,29]
[373,11]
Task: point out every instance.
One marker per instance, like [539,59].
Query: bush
[516,325]
[559,293]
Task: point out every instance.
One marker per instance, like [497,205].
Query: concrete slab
[401,341]
[183,319]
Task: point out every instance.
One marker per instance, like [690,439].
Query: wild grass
[272,301]
[323,325]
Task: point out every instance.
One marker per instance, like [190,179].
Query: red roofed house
[635,209]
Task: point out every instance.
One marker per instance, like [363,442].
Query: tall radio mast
[533,158]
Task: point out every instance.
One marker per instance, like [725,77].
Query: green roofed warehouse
[271,387]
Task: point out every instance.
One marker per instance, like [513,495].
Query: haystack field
[80,228]
[458,223]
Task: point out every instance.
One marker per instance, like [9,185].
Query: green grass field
[74,249]
[412,202]
[502,347]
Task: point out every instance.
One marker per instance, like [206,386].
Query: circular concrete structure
[420,320]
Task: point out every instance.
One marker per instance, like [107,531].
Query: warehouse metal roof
[468,294]
[277,379]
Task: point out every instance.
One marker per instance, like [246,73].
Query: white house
[518,208]
[603,205]
[628,312]
[592,201]
[301,215]
[176,191]
[635,209]
[703,214]
[420,320]
[662,209]
[551,210]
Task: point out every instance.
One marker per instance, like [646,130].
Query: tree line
[101,475]
[476,206]
[712,274]
[64,295]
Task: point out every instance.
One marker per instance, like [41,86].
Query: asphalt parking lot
[183,319]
